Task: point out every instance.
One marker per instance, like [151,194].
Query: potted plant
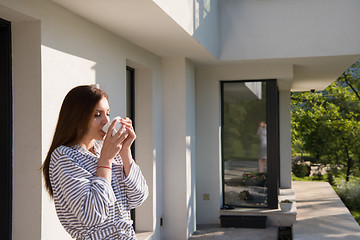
[254,179]
[286,205]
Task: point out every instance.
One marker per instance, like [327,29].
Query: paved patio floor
[321,215]
[218,233]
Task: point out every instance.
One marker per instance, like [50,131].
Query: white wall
[285,139]
[178,148]
[282,29]
[208,123]
[54,50]
[148,146]
[27,137]
[208,163]
[190,147]
[53,53]
[199,18]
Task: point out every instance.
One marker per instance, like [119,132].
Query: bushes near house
[300,170]
[349,192]
[314,178]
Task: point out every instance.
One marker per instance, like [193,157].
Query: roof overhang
[319,72]
[145,24]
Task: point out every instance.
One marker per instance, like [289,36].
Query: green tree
[326,124]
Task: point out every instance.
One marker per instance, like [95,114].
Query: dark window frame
[272,118]
[132,101]
[6,126]
[131,71]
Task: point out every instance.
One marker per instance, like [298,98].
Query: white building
[179,52]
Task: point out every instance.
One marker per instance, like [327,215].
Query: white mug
[116,128]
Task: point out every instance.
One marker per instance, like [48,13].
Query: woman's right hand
[112,144]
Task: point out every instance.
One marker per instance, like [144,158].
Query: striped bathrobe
[89,207]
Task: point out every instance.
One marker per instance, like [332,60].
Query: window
[250,143]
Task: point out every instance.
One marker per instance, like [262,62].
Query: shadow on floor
[215,232]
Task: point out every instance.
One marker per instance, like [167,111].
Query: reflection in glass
[244,146]
[262,134]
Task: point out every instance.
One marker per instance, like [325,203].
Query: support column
[179,148]
[27,131]
[285,139]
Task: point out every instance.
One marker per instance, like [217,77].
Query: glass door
[247,116]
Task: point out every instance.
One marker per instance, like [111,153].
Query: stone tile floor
[321,215]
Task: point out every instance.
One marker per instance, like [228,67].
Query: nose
[105,119]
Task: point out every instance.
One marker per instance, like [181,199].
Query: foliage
[356,215]
[349,192]
[240,124]
[326,124]
[254,179]
[300,170]
[312,178]
[330,179]
[254,176]
[318,176]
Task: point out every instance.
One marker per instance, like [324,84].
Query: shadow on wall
[90,54]
[205,24]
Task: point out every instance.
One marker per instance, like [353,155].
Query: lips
[102,132]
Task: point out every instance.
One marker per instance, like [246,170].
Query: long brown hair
[76,113]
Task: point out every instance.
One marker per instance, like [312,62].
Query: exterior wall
[27,130]
[178,148]
[208,129]
[208,163]
[285,139]
[190,148]
[54,51]
[199,18]
[285,29]
[148,146]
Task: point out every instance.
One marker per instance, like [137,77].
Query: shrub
[349,192]
[300,170]
[330,179]
[318,176]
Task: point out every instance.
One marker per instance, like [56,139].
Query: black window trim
[272,118]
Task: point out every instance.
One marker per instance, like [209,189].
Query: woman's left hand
[129,135]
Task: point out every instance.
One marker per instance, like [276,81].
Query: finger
[126,120]
[131,136]
[122,138]
[110,129]
[128,127]
[112,126]
[118,133]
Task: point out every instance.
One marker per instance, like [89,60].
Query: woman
[91,175]
[262,133]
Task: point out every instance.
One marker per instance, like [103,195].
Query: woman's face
[101,117]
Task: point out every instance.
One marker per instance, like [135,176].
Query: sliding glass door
[249,143]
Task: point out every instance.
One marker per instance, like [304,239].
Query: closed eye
[99,113]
